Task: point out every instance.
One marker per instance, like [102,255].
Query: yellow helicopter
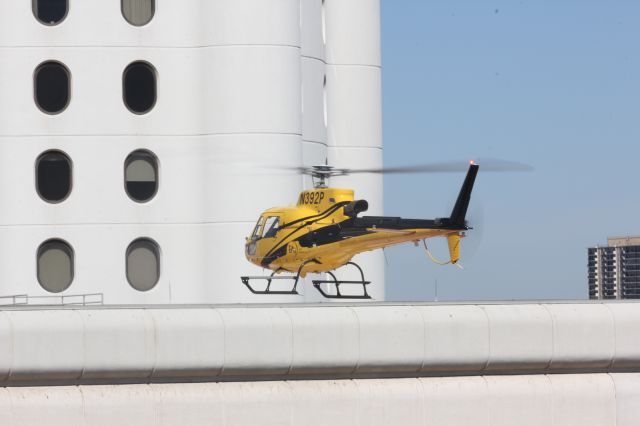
[324,231]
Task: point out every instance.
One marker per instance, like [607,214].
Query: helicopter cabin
[320,204]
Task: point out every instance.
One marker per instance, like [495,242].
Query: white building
[142,138]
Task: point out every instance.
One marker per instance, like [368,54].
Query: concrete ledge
[223,343]
[559,399]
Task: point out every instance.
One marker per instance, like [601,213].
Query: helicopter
[324,230]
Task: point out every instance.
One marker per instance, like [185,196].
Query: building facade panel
[188,23]
[100,403]
[402,328]
[354,106]
[190,256]
[627,333]
[532,347]
[59,406]
[456,338]
[324,338]
[312,28]
[573,338]
[384,402]
[586,399]
[314,120]
[626,393]
[50,344]
[442,397]
[118,347]
[570,399]
[174,339]
[243,89]
[249,346]
[352,32]
[520,400]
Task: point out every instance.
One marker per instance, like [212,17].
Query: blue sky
[555,84]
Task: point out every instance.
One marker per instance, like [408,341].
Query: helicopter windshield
[271,226]
[257,231]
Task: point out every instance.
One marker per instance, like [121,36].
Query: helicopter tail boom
[462,203]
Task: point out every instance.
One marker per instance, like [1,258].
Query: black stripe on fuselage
[305,221]
[267,260]
[398,223]
[323,213]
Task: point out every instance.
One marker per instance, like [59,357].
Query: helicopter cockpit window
[257,231]
[271,226]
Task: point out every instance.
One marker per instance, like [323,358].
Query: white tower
[140,139]
[354,110]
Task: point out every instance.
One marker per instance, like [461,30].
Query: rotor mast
[320,175]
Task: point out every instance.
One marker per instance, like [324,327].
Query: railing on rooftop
[53,299]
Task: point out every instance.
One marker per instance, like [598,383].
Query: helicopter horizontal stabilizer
[462,203]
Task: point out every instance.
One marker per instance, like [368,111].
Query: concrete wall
[559,400]
[62,346]
[386,364]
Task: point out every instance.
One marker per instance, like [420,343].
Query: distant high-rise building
[614,270]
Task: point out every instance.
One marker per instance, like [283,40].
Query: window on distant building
[139,87]
[143,264]
[51,87]
[50,12]
[138,12]
[55,265]
[53,176]
[141,175]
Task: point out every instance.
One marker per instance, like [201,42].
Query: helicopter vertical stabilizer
[462,203]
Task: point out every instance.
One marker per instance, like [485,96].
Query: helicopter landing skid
[270,278]
[336,282]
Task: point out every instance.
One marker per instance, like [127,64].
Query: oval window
[141,175]
[55,265]
[138,12]
[143,264]
[139,87]
[53,176]
[51,87]
[50,12]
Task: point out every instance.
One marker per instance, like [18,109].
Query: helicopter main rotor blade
[486,165]
[318,170]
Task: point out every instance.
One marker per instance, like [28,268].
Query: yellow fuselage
[322,232]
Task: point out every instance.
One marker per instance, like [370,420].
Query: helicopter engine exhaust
[353,208]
